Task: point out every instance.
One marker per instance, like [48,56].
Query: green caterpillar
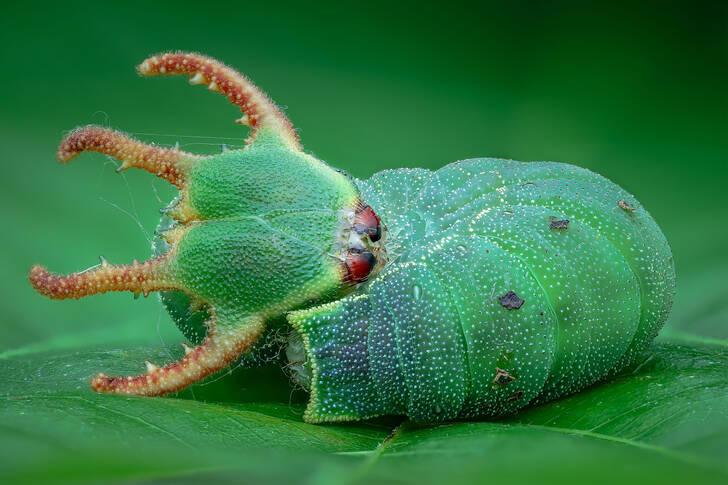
[470,291]
[508,283]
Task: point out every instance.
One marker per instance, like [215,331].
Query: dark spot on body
[516,396]
[511,301]
[558,223]
[502,377]
[623,204]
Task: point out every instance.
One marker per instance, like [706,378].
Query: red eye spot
[367,222]
[359,265]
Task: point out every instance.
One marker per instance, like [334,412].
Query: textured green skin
[424,338]
[262,241]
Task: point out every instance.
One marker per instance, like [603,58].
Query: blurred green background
[633,90]
[636,93]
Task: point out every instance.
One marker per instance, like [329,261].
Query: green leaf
[665,421]
[49,414]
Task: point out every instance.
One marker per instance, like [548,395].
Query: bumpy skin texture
[497,284]
[253,233]
[437,335]
[270,243]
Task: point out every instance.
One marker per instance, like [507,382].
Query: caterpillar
[471,291]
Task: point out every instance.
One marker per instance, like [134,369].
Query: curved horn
[260,112]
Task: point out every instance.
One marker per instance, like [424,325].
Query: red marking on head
[359,264]
[366,221]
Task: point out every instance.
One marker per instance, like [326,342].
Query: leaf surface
[664,421]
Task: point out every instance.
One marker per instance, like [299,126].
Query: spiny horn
[152,275]
[170,164]
[260,111]
[221,346]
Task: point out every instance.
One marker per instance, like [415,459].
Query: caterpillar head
[252,234]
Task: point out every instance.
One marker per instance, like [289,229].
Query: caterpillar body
[508,283]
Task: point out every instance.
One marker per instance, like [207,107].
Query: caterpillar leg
[167,163]
[222,345]
[260,113]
